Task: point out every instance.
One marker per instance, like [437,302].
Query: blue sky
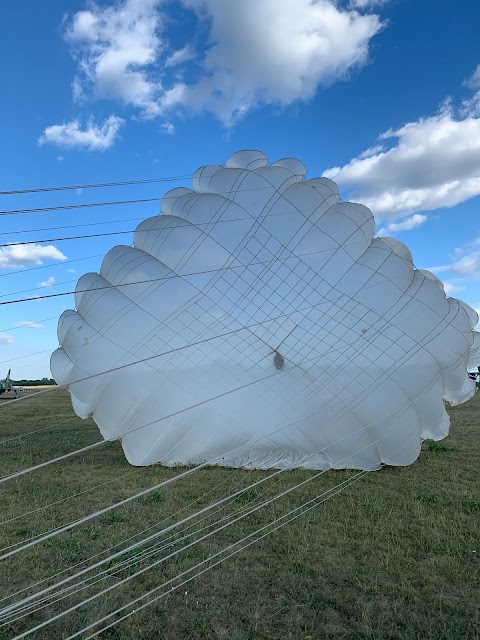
[381,96]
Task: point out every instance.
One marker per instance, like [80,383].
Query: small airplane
[6,386]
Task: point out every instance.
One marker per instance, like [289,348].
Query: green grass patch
[394,556]
[437,447]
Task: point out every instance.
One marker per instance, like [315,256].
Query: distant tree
[34,383]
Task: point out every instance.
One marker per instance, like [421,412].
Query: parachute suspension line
[200,512]
[116,585]
[69,207]
[66,612]
[28,324]
[165,278]
[191,504]
[98,185]
[73,495]
[17,474]
[255,325]
[269,319]
[53,264]
[68,226]
[297,511]
[166,417]
[151,357]
[354,345]
[54,532]
[185,224]
[26,609]
[174,553]
[60,529]
[21,612]
[97,443]
[300,483]
[49,427]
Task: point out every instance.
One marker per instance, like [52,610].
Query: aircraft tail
[7,379]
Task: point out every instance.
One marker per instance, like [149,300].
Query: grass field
[394,555]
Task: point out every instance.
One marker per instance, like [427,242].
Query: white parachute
[257,322]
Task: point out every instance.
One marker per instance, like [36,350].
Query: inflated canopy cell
[257,322]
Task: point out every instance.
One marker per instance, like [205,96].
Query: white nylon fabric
[258,303]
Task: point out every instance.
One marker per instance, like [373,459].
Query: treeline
[34,383]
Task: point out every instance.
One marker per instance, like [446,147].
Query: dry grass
[37,386]
[394,556]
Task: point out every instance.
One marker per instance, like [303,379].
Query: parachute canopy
[258,322]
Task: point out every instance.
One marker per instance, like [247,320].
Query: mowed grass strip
[394,555]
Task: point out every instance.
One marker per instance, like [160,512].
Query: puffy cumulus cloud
[257,51]
[93,137]
[114,46]
[270,292]
[5,338]
[29,324]
[28,254]
[413,222]
[433,162]
[272,51]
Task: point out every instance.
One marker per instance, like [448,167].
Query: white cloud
[60,158]
[92,137]
[434,162]
[467,261]
[371,151]
[114,45]
[413,222]
[180,56]
[71,270]
[6,339]
[366,4]
[168,128]
[468,265]
[272,51]
[474,81]
[440,269]
[258,52]
[28,254]
[471,106]
[49,282]
[27,324]
[451,287]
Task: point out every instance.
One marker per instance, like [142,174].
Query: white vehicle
[474,375]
